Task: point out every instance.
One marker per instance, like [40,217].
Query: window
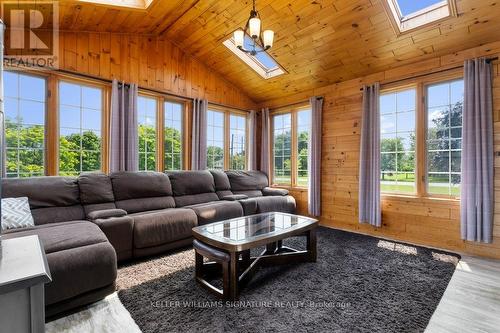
[303,128]
[290,147]
[80,114]
[237,142]
[444,137]
[397,142]
[262,62]
[25,104]
[407,15]
[135,4]
[226,139]
[173,135]
[282,149]
[421,142]
[146,119]
[215,140]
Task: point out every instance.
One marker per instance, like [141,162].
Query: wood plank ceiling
[318,42]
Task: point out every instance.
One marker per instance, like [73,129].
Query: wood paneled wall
[152,62]
[431,222]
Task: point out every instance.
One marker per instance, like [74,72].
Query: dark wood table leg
[233,276]
[198,265]
[245,259]
[311,245]
[271,248]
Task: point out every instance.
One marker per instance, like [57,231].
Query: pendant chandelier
[260,42]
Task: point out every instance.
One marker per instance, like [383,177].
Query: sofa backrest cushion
[222,184]
[52,199]
[249,183]
[141,191]
[95,188]
[192,187]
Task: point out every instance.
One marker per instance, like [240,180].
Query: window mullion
[52,128]
[160,134]
[294,149]
[421,142]
[226,140]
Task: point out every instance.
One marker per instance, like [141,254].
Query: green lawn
[301,181]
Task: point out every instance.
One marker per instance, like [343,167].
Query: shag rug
[358,284]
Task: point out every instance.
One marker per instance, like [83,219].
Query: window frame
[420,84]
[431,16]
[160,128]
[294,145]
[46,142]
[105,111]
[227,132]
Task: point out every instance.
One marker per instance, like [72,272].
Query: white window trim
[431,15]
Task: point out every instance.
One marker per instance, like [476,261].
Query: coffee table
[227,246]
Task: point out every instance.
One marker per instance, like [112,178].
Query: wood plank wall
[428,222]
[152,62]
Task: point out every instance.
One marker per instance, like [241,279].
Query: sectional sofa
[88,224]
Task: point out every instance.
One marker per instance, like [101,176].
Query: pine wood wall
[152,62]
[429,222]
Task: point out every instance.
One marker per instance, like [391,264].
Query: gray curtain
[369,161]
[252,140]
[476,204]
[265,152]
[124,142]
[314,158]
[199,136]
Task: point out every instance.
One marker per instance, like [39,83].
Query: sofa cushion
[64,235]
[222,184]
[95,188]
[195,199]
[57,191]
[216,211]
[133,185]
[142,191]
[191,182]
[145,204]
[79,256]
[59,200]
[163,226]
[247,180]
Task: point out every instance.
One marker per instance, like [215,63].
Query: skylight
[408,7]
[137,4]
[262,62]
[408,15]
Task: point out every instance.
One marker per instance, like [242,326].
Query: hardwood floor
[471,303]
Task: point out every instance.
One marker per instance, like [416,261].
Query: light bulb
[268,38]
[254,25]
[238,38]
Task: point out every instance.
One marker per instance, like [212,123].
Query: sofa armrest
[106,214]
[119,231]
[235,197]
[269,191]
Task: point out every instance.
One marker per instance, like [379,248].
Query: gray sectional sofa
[88,224]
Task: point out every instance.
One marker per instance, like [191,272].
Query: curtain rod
[427,74]
[157,91]
[294,104]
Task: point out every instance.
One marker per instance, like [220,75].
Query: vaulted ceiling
[318,42]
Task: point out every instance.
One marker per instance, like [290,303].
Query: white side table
[23,273]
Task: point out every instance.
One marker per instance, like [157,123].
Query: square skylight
[408,7]
[408,15]
[262,62]
[135,4]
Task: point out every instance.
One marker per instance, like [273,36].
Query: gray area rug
[359,284]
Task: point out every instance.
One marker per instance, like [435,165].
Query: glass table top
[248,228]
